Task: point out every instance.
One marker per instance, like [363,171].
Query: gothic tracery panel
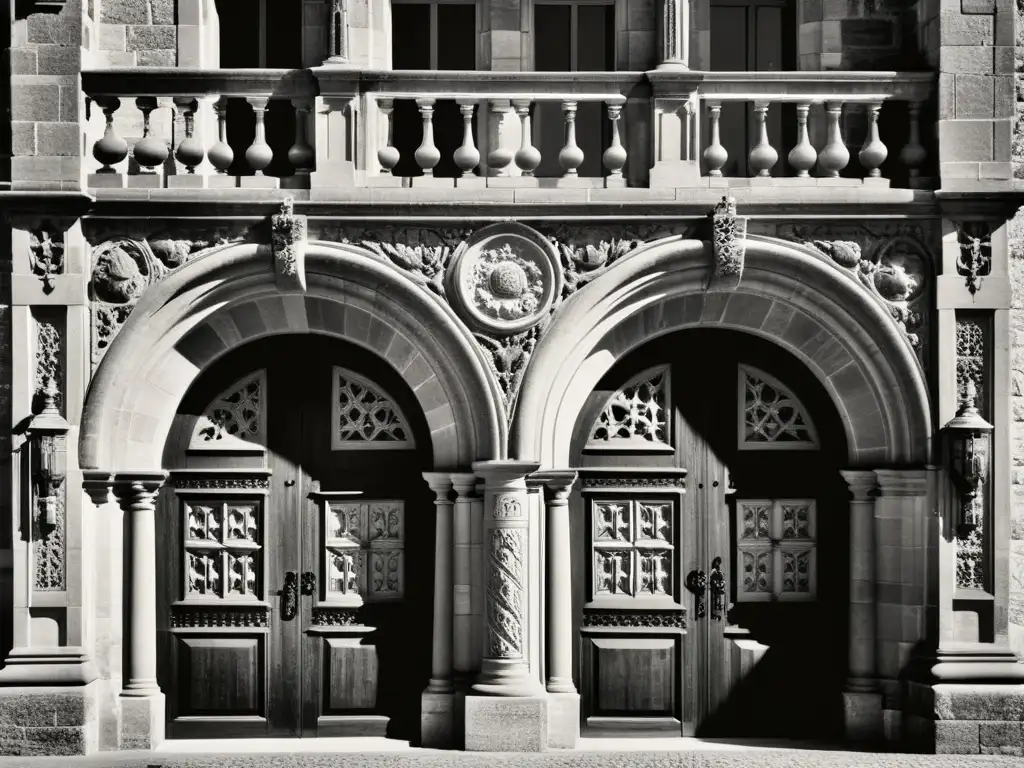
[633,548]
[772,418]
[776,549]
[223,546]
[364,551]
[637,416]
[364,416]
[237,417]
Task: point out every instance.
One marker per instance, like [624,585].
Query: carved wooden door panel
[293,494]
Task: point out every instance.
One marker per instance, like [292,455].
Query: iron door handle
[309,583]
[697,582]
[717,583]
[290,596]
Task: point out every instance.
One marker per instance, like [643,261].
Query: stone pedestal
[862,714]
[563,720]
[437,719]
[506,723]
[140,721]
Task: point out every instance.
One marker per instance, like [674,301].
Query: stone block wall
[853,34]
[137,33]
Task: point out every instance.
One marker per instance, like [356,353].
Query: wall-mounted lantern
[48,431]
[967,439]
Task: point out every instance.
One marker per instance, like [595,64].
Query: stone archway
[229,296]
[788,294]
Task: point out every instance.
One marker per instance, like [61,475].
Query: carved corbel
[974,261]
[288,239]
[728,241]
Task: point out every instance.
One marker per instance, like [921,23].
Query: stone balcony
[352,134]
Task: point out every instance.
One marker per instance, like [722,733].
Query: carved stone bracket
[974,260]
[288,239]
[728,241]
[46,252]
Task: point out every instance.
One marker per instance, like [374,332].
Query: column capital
[97,483]
[440,483]
[861,481]
[129,484]
[902,482]
[557,483]
[464,483]
[499,473]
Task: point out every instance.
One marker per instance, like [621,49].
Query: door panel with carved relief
[293,493]
[691,600]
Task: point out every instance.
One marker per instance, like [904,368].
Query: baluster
[571,156]
[615,156]
[715,155]
[111,149]
[913,154]
[834,155]
[190,152]
[467,157]
[149,151]
[763,156]
[874,152]
[221,154]
[498,159]
[803,156]
[300,154]
[427,155]
[388,155]
[259,154]
[528,156]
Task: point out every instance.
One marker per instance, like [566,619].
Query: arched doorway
[294,495]
[291,599]
[764,510]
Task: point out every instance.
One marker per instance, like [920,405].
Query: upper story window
[265,34]
[426,34]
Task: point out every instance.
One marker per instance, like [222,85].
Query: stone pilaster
[675,34]
[437,715]
[506,709]
[862,700]
[141,717]
[563,698]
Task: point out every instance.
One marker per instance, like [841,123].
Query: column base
[437,720]
[862,712]
[563,720]
[506,723]
[48,666]
[45,720]
[140,721]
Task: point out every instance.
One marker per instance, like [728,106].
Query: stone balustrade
[346,128]
[202,105]
[795,128]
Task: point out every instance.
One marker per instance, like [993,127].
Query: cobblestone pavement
[706,756]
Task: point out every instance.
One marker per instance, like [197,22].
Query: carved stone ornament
[640,482]
[191,617]
[505,279]
[728,240]
[46,255]
[505,585]
[219,482]
[675,619]
[122,271]
[335,617]
[508,507]
[974,260]
[288,239]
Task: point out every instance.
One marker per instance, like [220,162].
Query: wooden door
[261,636]
[681,404]
[753,36]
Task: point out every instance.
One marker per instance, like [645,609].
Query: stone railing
[803,127]
[194,111]
[514,128]
[586,129]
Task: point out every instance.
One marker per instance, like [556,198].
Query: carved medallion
[505,279]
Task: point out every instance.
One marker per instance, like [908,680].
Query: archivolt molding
[793,295]
[173,333]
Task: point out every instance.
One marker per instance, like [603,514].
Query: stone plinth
[506,723]
[42,720]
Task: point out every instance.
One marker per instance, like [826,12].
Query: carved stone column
[506,709]
[141,717]
[437,714]
[563,699]
[861,699]
[462,594]
[675,34]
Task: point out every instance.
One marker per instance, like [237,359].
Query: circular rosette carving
[505,279]
[121,271]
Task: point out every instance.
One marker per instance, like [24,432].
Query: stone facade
[148,242]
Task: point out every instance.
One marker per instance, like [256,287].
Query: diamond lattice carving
[772,417]
[236,418]
[364,416]
[637,415]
